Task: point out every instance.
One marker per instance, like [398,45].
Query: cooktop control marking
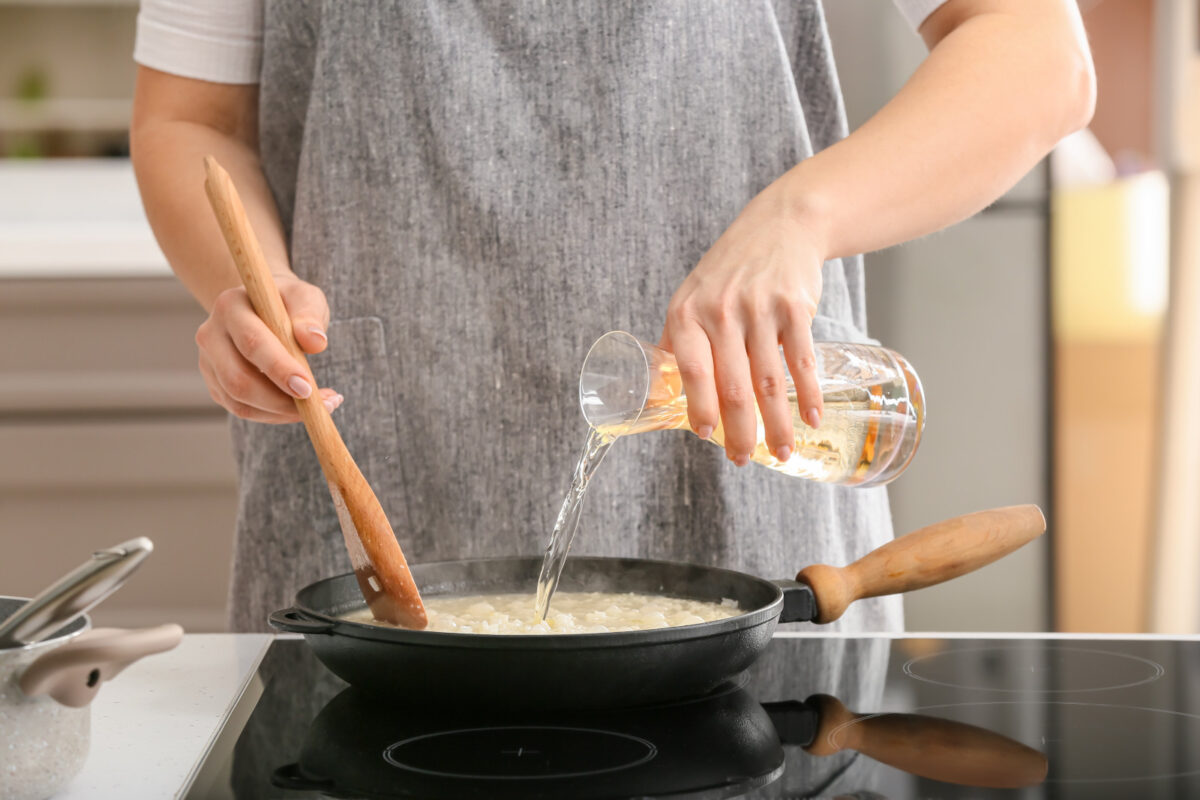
[1084,670]
[520,752]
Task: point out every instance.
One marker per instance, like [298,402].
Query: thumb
[307,307]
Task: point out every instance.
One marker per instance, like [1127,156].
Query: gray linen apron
[483,189]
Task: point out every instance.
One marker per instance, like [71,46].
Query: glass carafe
[871,426]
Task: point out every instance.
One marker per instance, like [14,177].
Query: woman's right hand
[247,369]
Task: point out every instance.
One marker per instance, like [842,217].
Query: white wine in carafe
[843,446]
[869,432]
[870,429]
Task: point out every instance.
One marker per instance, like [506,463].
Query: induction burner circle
[520,752]
[1083,742]
[1026,669]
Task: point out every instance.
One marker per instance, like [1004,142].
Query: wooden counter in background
[1105,444]
[1110,293]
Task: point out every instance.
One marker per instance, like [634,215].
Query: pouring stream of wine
[594,448]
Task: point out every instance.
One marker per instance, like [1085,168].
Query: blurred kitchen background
[1057,334]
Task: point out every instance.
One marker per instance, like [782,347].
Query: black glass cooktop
[814,717]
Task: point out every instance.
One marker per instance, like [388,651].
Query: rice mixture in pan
[571,612]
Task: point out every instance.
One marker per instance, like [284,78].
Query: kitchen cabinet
[106,429]
[107,432]
[1110,294]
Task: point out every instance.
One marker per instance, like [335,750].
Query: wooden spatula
[378,562]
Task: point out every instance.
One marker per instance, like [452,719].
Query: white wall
[968,308]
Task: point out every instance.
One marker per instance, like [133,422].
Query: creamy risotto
[570,612]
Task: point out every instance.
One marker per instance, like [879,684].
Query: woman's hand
[757,288]
[247,369]
[177,121]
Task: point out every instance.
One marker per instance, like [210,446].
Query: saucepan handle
[73,672]
[924,558]
[799,605]
[296,620]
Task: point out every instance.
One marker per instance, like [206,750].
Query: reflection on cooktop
[357,746]
[1024,667]
[814,717]
[1124,743]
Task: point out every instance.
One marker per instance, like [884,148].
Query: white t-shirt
[221,40]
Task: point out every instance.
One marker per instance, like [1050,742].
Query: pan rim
[768,613]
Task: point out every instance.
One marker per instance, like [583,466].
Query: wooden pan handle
[924,557]
[374,551]
[941,749]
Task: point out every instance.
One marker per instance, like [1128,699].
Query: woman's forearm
[177,122]
[997,91]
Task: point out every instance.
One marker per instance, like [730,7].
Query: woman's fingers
[735,392]
[756,288]
[258,345]
[693,355]
[732,376]
[284,415]
[800,354]
[307,307]
[770,387]
[236,407]
[241,380]
[248,370]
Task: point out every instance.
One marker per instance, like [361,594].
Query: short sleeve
[211,40]
[915,11]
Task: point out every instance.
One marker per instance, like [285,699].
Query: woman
[480,190]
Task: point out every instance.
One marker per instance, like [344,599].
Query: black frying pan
[610,670]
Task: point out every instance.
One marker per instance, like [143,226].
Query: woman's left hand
[755,289]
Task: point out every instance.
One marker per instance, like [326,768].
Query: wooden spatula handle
[941,749]
[264,296]
[924,557]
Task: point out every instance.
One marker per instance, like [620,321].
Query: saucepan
[52,665]
[45,689]
[622,669]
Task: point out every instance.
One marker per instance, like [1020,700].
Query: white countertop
[71,218]
[153,723]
